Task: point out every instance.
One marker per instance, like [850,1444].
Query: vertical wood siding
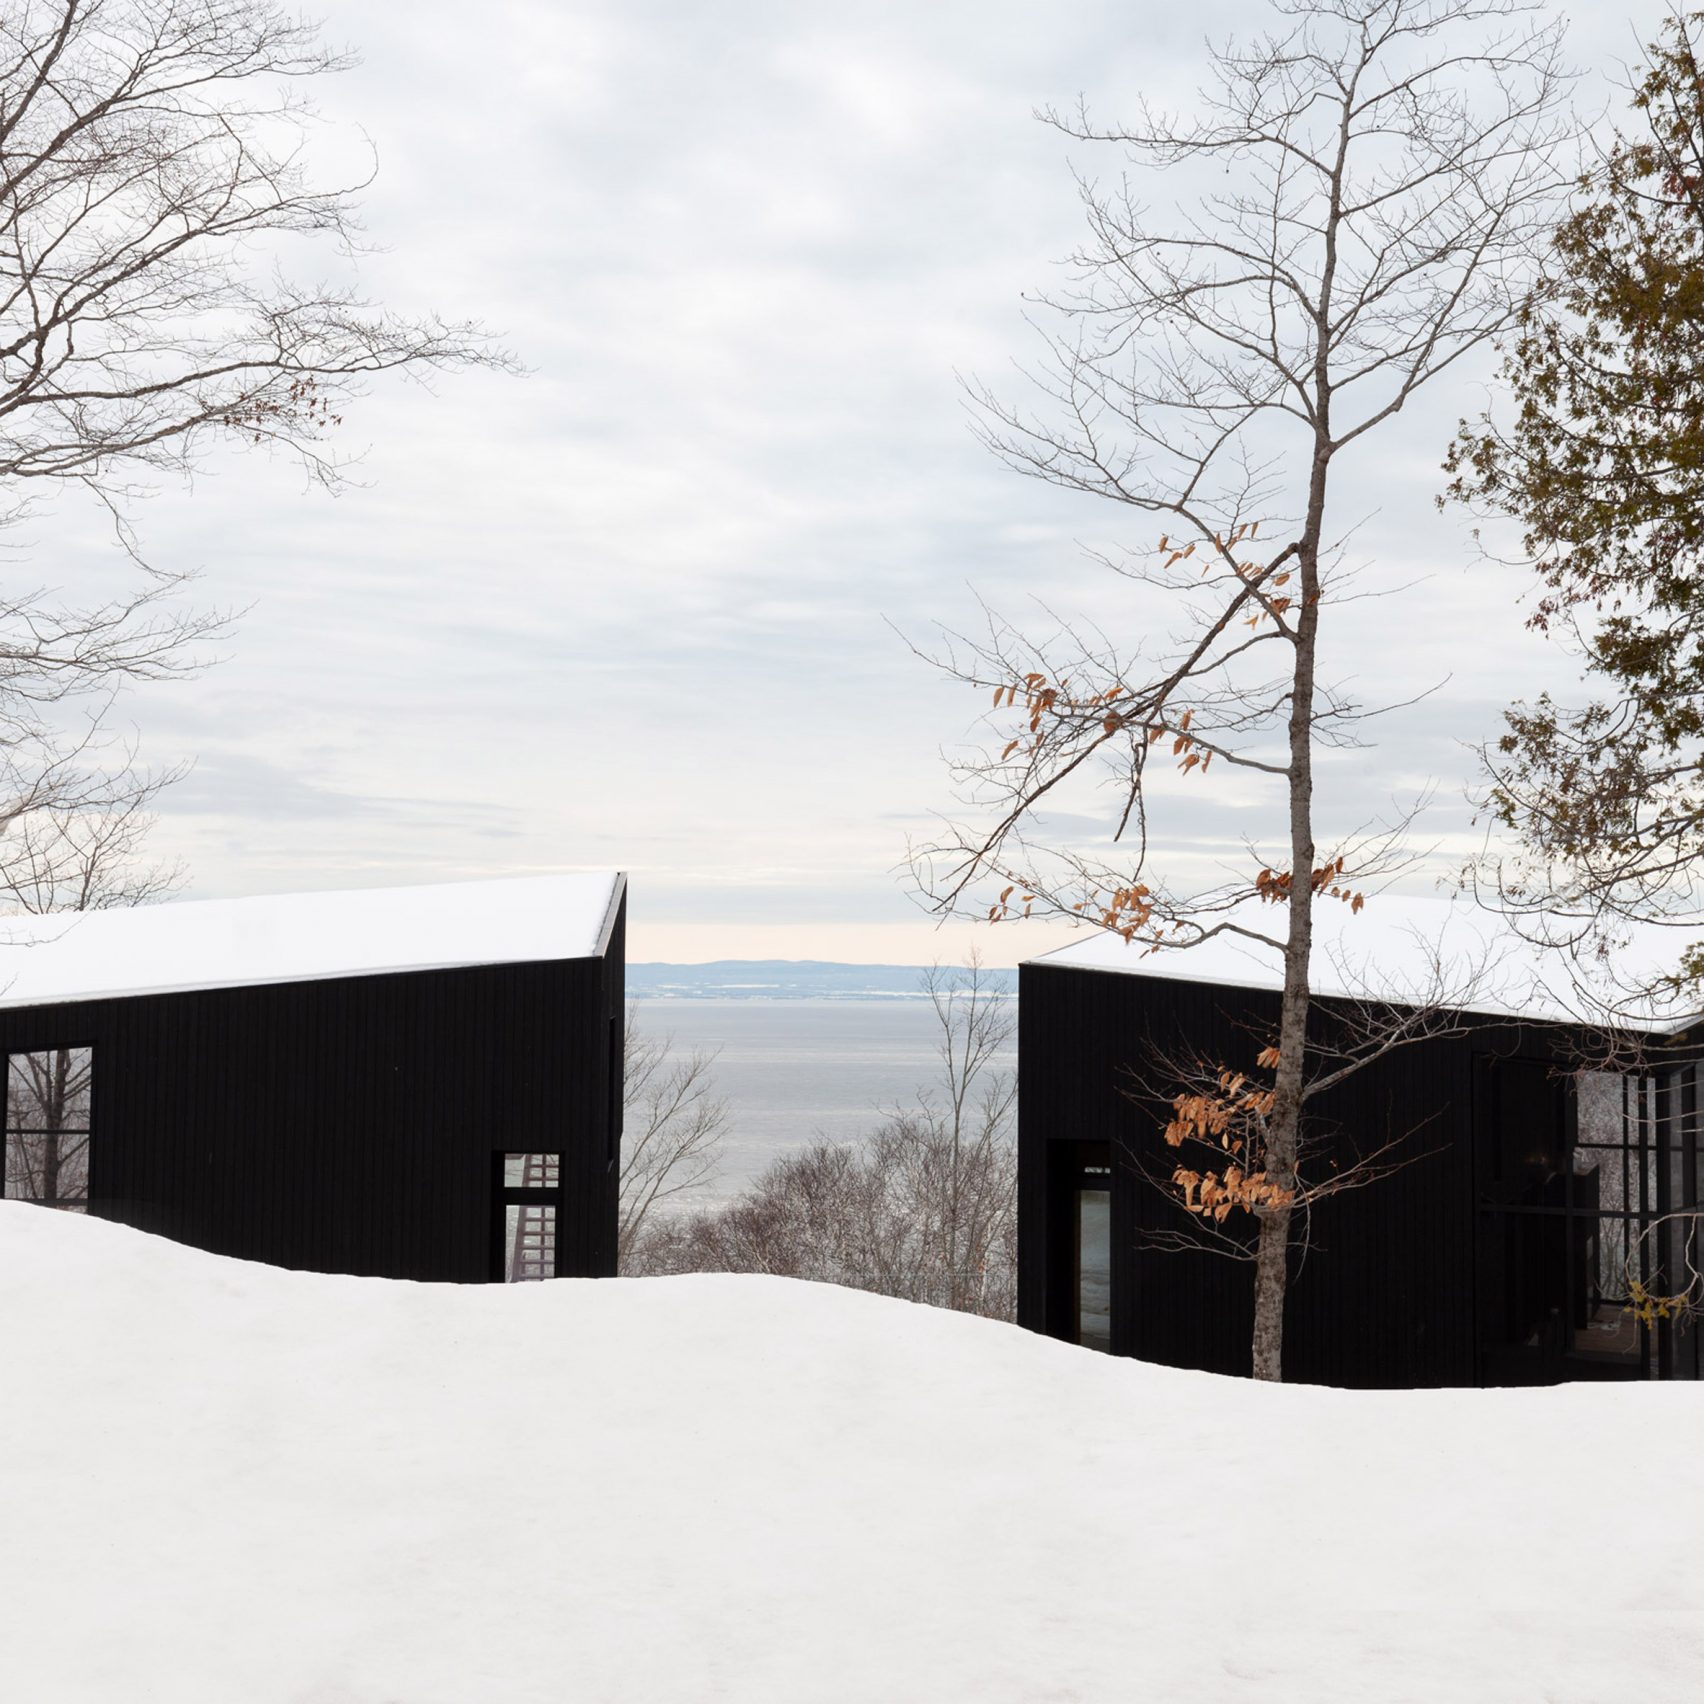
[1384,1296]
[347,1125]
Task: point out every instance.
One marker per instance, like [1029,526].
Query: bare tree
[672,1131]
[923,1208]
[1366,191]
[154,179]
[961,1141]
[86,853]
[154,165]
[79,851]
[61,668]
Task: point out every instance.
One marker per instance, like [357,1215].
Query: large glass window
[1588,1190]
[47,1127]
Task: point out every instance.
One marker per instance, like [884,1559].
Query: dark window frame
[1073,1166]
[615,1108]
[1631,1180]
[91,1195]
[505,1195]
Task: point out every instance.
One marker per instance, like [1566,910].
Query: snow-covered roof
[1415,949]
[301,937]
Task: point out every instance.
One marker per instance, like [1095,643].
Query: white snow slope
[226,1484]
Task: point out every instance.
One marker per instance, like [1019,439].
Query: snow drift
[226,1484]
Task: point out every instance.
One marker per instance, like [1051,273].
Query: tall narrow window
[47,1127]
[1612,1194]
[1080,1243]
[614,1111]
[1094,1266]
[529,1193]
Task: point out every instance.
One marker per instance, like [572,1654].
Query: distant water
[792,1070]
[792,979]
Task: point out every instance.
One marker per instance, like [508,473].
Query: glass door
[528,1197]
[1081,1304]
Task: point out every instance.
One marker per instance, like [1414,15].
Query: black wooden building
[412,1083]
[1537,1186]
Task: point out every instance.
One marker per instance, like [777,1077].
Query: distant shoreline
[788,979]
[874,997]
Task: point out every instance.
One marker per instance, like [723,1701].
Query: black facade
[354,1124]
[1498,1254]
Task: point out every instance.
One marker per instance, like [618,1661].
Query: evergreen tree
[1602,466]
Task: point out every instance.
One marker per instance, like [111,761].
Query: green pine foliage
[1603,469]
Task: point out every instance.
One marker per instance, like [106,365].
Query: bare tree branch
[152,158]
[924,1208]
[1388,170]
[672,1130]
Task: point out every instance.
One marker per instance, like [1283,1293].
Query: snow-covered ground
[225,1484]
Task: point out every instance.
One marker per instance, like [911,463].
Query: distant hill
[787,979]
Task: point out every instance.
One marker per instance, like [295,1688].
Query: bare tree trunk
[1283,1143]
[1386,199]
[1272,1260]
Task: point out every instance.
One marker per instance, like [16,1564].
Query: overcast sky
[643,607]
